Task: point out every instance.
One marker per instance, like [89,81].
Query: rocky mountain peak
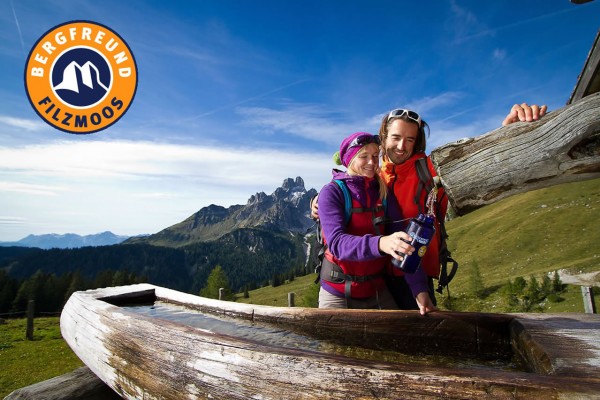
[287,209]
[290,190]
[290,184]
[257,198]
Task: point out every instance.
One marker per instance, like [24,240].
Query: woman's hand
[396,245]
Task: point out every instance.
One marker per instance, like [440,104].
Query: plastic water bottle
[421,230]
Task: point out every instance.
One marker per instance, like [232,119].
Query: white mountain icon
[69,81]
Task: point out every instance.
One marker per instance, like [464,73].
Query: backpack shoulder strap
[322,246]
[425,182]
[423,172]
[347,199]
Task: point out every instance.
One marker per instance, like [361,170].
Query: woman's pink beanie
[348,149]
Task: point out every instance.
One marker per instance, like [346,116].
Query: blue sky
[234,96]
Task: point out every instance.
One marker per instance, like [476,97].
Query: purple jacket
[345,246]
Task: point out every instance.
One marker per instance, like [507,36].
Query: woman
[357,252]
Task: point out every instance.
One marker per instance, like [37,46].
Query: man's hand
[425,304]
[314,208]
[524,112]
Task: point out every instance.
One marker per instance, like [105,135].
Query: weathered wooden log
[563,146]
[558,344]
[143,357]
[81,384]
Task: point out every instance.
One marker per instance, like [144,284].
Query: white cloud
[6,220]
[142,160]
[137,187]
[465,19]
[307,121]
[157,195]
[445,131]
[21,123]
[38,190]
[463,23]
[499,54]
[427,104]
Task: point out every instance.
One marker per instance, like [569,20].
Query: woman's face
[366,161]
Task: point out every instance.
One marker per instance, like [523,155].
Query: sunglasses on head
[400,112]
[364,140]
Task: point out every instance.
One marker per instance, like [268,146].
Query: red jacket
[403,180]
[360,224]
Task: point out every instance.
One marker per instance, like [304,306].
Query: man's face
[400,141]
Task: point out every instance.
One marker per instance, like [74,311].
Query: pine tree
[516,292]
[534,291]
[557,286]
[276,281]
[8,291]
[216,280]
[546,288]
[77,284]
[104,278]
[120,278]
[519,285]
[30,289]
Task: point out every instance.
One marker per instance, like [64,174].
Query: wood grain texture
[81,384]
[141,357]
[588,81]
[563,146]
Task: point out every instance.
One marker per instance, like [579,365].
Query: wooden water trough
[352,354]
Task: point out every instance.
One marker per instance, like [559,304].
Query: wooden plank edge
[80,384]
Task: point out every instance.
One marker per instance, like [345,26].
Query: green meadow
[24,362]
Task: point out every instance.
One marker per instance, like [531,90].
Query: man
[403,141]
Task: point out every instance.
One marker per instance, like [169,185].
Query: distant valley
[67,241]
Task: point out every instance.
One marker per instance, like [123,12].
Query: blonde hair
[382,186]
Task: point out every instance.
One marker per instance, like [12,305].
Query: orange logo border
[38,77]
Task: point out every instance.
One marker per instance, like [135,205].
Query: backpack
[426,182]
[348,209]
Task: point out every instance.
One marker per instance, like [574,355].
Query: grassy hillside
[25,362]
[525,235]
[304,288]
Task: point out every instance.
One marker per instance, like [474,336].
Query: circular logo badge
[80,77]
[422,251]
